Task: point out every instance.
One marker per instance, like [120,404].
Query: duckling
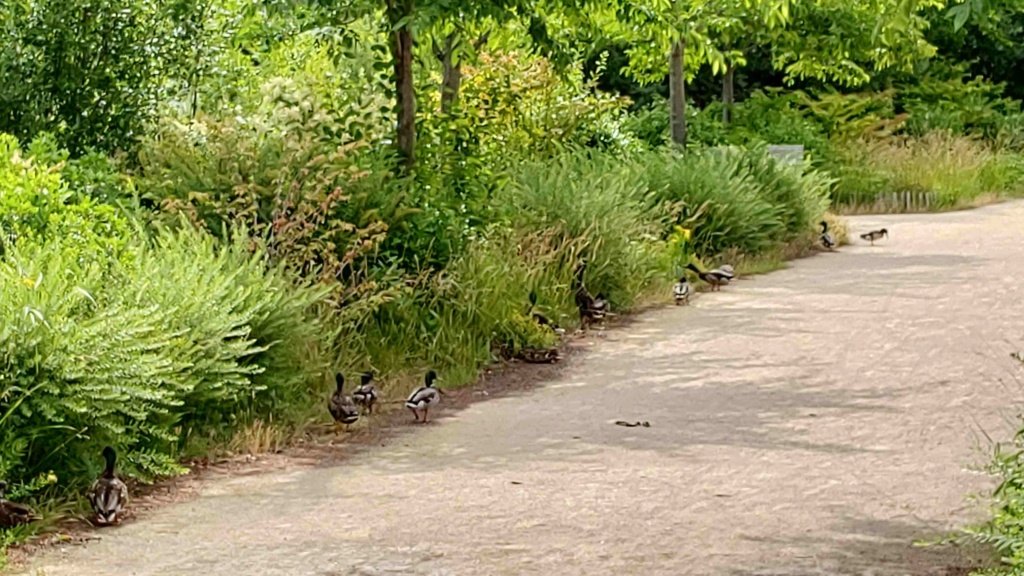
[716,278]
[681,291]
[424,397]
[108,494]
[827,239]
[366,395]
[342,408]
[875,235]
[12,513]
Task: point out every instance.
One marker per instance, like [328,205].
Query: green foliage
[107,337]
[35,204]
[1004,532]
[90,71]
[185,340]
[734,199]
[934,172]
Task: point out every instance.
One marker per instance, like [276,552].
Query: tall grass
[938,171]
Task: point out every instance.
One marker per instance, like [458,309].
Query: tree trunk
[728,94]
[399,15]
[452,79]
[677,93]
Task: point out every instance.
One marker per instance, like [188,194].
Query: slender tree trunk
[677,93]
[452,78]
[399,15]
[728,94]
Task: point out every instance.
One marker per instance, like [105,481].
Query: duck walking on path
[715,278]
[681,291]
[366,395]
[341,406]
[424,397]
[827,239]
[875,235]
[108,495]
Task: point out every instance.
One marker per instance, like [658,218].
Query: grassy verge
[936,172]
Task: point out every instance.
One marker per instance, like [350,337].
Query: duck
[341,406]
[590,308]
[875,235]
[366,395]
[716,278]
[533,355]
[681,291]
[826,237]
[11,513]
[540,318]
[108,495]
[725,270]
[424,397]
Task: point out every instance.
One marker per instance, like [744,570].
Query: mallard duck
[681,291]
[725,270]
[342,408]
[12,513]
[108,494]
[366,395]
[875,235]
[540,318]
[539,355]
[424,397]
[827,239]
[590,308]
[715,278]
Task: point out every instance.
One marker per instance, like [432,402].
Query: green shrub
[733,199]
[36,204]
[183,340]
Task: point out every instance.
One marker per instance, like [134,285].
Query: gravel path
[816,420]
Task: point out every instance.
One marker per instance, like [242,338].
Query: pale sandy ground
[816,420]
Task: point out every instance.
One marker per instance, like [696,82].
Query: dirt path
[816,420]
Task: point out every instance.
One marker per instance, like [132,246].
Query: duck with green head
[421,399]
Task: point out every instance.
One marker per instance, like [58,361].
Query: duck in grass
[826,237]
[590,308]
[108,495]
[875,235]
[715,278]
[341,406]
[424,397]
[11,513]
[681,291]
[540,318]
[366,395]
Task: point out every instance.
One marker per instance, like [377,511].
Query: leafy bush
[89,71]
[180,341]
[35,204]
[109,338]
